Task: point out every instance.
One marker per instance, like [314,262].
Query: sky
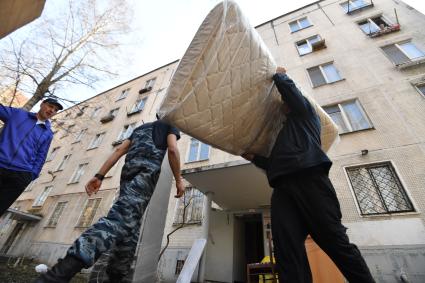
[163,30]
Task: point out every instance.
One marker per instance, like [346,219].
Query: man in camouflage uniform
[118,232]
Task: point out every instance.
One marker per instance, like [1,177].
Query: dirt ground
[25,273]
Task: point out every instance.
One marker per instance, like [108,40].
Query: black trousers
[306,204]
[12,184]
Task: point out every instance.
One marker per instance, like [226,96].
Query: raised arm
[290,93]
[94,184]
[174,160]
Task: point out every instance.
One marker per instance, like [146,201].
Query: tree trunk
[38,95]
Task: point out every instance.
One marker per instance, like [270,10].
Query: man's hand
[280,70]
[93,186]
[248,156]
[180,188]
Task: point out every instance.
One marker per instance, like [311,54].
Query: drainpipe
[206,212]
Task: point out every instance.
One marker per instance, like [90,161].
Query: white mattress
[222,92]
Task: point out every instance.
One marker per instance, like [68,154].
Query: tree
[76,45]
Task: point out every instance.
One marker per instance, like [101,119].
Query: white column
[206,212]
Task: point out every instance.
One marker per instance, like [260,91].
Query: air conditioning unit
[318,45]
[146,89]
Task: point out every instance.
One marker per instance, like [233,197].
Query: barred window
[179,266]
[193,213]
[378,189]
[89,212]
[53,221]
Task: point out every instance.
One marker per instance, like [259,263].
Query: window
[67,131]
[43,196]
[193,199]
[61,165]
[378,189]
[124,93]
[78,173]
[81,110]
[139,105]
[30,186]
[111,115]
[403,52]
[179,266]
[126,132]
[150,83]
[323,74]
[53,221]
[80,135]
[305,46]
[353,5]
[114,112]
[198,151]
[53,153]
[349,116]
[96,141]
[421,89]
[95,112]
[299,24]
[89,212]
[377,26]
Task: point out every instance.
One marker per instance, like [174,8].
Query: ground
[25,273]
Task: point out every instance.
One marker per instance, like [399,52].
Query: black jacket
[298,145]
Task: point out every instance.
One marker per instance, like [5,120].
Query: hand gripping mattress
[222,92]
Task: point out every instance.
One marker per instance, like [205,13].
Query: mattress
[222,92]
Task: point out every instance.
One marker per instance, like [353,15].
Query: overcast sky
[164,29]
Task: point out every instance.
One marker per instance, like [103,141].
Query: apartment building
[362,61]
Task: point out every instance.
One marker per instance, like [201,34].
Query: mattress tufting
[222,91]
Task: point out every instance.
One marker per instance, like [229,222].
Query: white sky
[164,29]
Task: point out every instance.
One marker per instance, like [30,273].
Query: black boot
[61,272]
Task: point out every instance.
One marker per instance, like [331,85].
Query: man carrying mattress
[304,201]
[118,232]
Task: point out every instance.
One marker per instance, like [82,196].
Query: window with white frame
[67,131]
[89,212]
[299,24]
[124,93]
[96,111]
[79,171]
[54,218]
[352,5]
[374,25]
[198,151]
[114,112]
[126,132]
[139,105]
[53,154]
[150,83]
[349,116]
[189,207]
[30,186]
[97,140]
[43,196]
[63,163]
[421,89]
[378,189]
[323,74]
[80,135]
[403,52]
[306,46]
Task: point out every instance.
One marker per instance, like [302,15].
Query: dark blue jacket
[23,144]
[298,144]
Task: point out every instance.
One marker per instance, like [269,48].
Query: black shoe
[61,272]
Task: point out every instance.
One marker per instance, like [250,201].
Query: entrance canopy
[236,185]
[24,216]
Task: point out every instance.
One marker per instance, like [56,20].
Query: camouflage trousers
[118,232]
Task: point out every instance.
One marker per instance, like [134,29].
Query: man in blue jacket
[24,143]
[304,201]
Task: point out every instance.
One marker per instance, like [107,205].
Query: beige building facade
[362,61]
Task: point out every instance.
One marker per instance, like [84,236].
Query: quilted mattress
[222,91]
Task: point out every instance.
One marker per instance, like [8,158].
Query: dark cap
[54,102]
